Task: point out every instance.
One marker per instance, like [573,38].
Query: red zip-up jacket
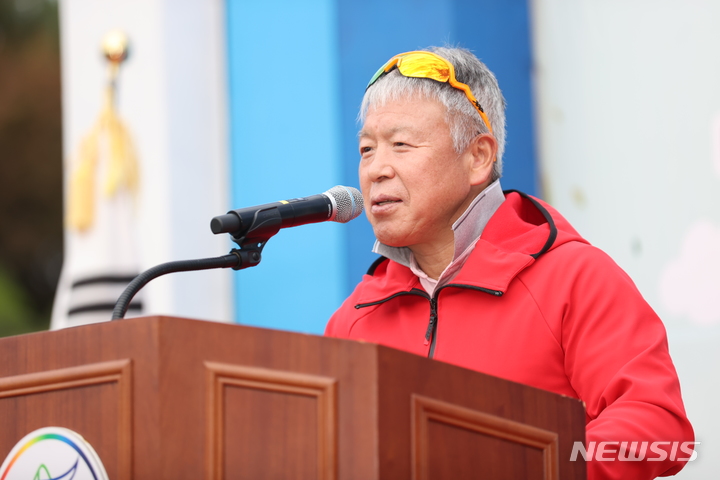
[535,303]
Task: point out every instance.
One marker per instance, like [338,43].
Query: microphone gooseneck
[231,260]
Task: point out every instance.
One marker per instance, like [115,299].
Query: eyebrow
[389,132]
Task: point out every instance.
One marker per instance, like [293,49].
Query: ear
[482,152]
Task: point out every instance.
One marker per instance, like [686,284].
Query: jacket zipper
[431,332]
[414,291]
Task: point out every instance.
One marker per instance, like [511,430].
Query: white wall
[628,116]
[172,95]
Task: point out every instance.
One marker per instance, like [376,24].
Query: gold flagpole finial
[115,46]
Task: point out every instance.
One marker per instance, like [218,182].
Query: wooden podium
[172,398]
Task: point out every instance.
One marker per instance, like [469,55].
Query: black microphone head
[347,203]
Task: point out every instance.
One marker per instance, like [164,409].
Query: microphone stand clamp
[266,223]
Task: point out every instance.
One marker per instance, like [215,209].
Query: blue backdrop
[297,72]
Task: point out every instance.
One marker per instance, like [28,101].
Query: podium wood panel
[76,397]
[267,409]
[162,397]
[450,441]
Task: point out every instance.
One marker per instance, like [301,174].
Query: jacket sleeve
[341,321]
[617,360]
[337,326]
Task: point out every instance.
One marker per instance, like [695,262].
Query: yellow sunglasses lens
[424,66]
[417,65]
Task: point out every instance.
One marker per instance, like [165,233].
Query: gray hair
[464,121]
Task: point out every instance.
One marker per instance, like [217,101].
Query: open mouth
[384,199]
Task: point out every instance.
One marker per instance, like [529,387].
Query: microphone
[339,204]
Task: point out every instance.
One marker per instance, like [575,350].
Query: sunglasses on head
[419,64]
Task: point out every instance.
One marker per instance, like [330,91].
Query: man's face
[413,182]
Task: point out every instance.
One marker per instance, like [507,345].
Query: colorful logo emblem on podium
[52,453]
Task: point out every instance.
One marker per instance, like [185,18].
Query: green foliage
[31,233]
[21,20]
[16,314]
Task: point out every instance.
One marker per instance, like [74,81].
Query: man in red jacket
[500,282]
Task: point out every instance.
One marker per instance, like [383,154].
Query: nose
[378,166]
